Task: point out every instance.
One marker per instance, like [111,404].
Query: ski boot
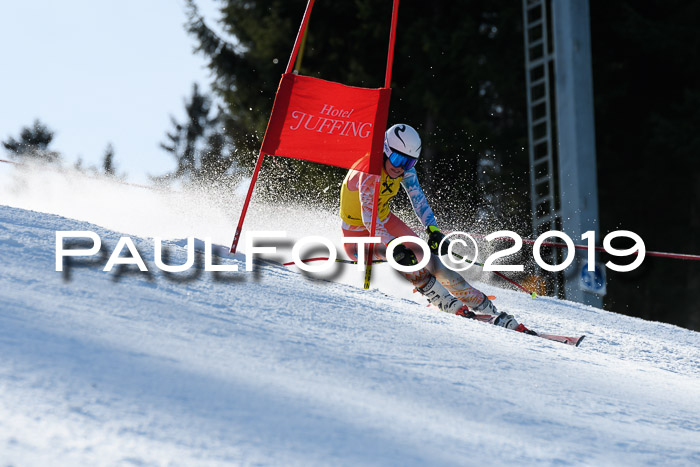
[502,319]
[438,295]
[486,307]
[505,320]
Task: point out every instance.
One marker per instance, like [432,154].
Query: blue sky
[99,72]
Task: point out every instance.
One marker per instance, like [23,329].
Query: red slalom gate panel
[328,123]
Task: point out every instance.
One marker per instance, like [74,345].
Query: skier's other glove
[404,255]
[434,239]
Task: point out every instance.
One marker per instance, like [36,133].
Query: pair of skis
[575,341]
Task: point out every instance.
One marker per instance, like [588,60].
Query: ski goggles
[402,161]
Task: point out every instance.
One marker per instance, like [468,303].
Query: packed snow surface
[275,367]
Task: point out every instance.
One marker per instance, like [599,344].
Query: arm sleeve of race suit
[366,185]
[417,197]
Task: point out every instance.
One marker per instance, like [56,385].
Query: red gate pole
[237,236]
[300,34]
[392,39]
[387,84]
[254,179]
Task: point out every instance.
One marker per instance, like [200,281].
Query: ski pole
[338,260]
[532,294]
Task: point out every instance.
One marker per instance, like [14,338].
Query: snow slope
[272,367]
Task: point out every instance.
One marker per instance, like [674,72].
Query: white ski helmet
[403,139]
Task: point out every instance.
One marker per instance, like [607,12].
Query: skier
[443,287]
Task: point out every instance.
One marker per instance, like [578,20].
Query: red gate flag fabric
[327,122]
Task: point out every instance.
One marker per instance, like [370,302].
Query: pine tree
[198,144]
[33,144]
[108,161]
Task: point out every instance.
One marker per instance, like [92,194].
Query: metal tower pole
[578,185]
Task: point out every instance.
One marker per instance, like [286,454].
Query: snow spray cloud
[454,238]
